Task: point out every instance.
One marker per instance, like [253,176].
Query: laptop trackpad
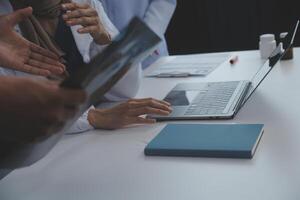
[181,97]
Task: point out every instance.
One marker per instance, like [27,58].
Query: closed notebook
[206,140]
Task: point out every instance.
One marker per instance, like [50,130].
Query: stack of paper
[189,65]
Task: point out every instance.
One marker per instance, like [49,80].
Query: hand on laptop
[32,109]
[19,54]
[87,17]
[128,113]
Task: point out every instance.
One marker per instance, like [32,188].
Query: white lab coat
[126,88]
[156,14]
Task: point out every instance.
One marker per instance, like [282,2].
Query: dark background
[226,25]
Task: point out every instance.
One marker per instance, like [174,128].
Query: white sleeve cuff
[81,125]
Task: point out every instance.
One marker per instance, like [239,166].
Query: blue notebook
[206,140]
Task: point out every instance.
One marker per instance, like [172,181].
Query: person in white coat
[156,13]
[80,15]
[88,48]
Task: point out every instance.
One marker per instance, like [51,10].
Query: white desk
[110,165]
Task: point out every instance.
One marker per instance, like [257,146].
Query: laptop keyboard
[213,99]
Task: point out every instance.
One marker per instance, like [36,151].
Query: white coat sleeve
[7,72]
[159,14]
[128,86]
[81,125]
[110,28]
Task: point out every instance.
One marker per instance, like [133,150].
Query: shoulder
[5,7]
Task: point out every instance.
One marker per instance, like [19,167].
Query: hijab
[31,27]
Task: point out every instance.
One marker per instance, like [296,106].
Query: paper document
[189,65]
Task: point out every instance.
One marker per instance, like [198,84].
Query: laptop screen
[276,55]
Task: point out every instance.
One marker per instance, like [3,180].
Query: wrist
[102,38]
[100,119]
[91,117]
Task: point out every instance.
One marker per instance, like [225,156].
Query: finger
[46,58]
[73,6]
[31,69]
[19,15]
[80,13]
[140,120]
[151,99]
[52,57]
[150,103]
[101,37]
[44,52]
[147,111]
[54,66]
[83,21]
[37,64]
[35,71]
[89,29]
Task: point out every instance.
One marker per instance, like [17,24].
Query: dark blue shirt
[65,40]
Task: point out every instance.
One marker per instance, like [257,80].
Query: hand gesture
[128,113]
[32,110]
[19,54]
[87,17]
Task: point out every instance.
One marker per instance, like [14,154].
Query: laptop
[220,100]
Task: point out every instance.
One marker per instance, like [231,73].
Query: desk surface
[110,165]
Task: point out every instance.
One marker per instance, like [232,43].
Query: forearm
[108,25]
[7,93]
[8,117]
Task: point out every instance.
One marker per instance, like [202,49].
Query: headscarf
[31,27]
